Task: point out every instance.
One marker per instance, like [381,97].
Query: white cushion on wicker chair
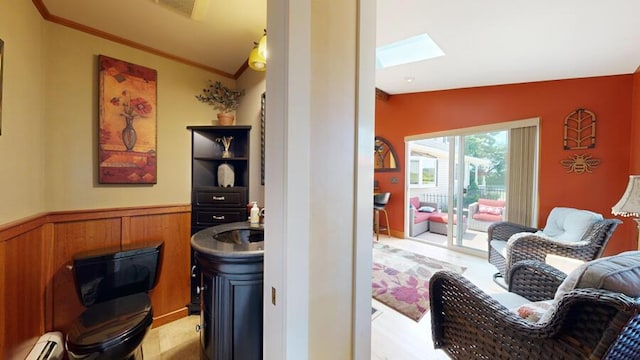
[509,300]
[527,310]
[568,224]
[501,246]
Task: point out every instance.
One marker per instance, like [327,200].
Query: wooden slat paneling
[72,238]
[3,295]
[173,290]
[25,264]
[16,228]
[37,293]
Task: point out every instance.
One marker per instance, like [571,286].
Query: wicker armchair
[586,323]
[503,252]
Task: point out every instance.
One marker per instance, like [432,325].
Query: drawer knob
[200,289]
[218,198]
[216,217]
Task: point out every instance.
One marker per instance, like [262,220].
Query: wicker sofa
[419,214]
[593,313]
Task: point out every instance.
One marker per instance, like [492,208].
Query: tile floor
[177,340]
[393,336]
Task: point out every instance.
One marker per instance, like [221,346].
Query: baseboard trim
[170,317]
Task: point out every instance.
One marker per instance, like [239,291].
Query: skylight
[416,48]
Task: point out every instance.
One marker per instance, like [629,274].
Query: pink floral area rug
[401,279]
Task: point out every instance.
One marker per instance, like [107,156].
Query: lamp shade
[629,204]
[256,61]
[262,46]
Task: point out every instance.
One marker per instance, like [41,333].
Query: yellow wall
[48,149]
[249,114]
[22,143]
[72,124]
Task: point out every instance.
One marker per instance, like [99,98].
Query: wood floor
[393,335]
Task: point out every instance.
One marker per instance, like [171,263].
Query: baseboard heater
[48,347]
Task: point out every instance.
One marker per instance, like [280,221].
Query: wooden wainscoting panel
[172,293]
[48,272]
[11,230]
[3,296]
[37,289]
[98,214]
[25,262]
[71,238]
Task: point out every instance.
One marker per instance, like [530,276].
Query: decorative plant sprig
[220,97]
[226,141]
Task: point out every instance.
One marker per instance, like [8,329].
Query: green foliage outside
[486,146]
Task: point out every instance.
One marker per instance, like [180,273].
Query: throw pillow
[618,273]
[489,210]
[427,209]
[534,311]
[494,203]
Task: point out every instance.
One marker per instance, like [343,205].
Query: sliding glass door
[458,184]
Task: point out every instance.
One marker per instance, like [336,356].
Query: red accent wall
[610,98]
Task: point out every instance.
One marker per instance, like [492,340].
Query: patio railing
[471,196]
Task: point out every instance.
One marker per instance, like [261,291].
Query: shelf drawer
[211,217]
[220,198]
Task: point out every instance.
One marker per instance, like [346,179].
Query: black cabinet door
[232,316]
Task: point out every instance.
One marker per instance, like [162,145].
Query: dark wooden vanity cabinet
[231,317]
[231,262]
[212,204]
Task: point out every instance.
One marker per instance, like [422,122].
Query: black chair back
[381,199]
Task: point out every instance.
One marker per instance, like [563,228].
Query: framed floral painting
[127,138]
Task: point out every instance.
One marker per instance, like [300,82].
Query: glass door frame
[504,126]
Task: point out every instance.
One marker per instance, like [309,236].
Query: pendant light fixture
[258,55]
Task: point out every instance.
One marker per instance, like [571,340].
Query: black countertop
[206,241]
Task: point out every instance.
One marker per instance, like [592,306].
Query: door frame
[501,126]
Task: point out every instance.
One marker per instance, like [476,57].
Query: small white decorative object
[226,176]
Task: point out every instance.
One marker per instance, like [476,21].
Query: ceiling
[485,42]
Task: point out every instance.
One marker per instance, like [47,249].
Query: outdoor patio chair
[485,212]
[571,233]
[593,313]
